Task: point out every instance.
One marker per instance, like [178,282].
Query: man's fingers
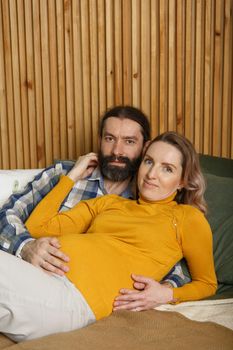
[59,254]
[55,242]
[48,268]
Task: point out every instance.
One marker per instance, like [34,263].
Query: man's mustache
[109,159]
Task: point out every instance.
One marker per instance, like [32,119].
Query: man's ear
[145,147]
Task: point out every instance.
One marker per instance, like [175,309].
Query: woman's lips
[150,184]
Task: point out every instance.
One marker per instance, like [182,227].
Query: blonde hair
[193,180]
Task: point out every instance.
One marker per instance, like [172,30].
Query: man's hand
[147,294]
[45,254]
[83,167]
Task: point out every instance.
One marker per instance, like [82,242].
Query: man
[123,133]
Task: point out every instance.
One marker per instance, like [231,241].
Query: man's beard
[118,173]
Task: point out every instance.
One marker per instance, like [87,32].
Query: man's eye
[108,138]
[130,142]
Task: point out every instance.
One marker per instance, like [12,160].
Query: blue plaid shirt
[13,233]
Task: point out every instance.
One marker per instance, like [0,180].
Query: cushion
[219,196]
[14,180]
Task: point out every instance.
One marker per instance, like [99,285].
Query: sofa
[205,324]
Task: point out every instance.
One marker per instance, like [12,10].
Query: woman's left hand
[147,294]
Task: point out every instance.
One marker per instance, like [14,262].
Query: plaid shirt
[13,233]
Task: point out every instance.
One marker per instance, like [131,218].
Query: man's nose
[118,149]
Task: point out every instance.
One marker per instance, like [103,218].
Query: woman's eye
[168,169]
[148,161]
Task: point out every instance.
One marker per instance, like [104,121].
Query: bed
[205,324]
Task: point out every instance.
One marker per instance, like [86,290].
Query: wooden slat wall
[63,62]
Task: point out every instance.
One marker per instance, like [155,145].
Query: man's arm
[13,233]
[176,277]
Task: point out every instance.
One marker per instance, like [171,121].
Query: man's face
[121,147]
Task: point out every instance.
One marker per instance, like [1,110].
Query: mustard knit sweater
[123,237]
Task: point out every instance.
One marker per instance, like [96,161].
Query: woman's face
[160,172]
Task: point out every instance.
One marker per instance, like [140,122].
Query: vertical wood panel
[16,84]
[69,79]
[199,76]
[78,77]
[172,64]
[163,15]
[110,52]
[62,78]
[54,79]
[127,52]
[145,58]
[38,86]
[180,58]
[102,56]
[227,82]
[94,72]
[5,154]
[207,69]
[155,92]
[136,49]
[9,83]
[118,69]
[64,62]
[30,84]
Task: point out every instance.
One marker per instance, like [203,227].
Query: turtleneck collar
[168,199]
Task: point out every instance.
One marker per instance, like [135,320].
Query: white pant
[34,304]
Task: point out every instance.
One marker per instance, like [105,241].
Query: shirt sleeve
[46,220]
[176,277]
[197,245]
[13,232]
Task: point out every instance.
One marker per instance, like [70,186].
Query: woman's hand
[147,294]
[83,167]
[45,253]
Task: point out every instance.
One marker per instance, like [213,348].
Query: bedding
[148,330]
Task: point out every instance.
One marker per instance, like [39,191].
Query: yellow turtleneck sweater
[123,237]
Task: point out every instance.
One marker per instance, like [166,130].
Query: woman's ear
[180,186]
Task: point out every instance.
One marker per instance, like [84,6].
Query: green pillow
[219,197]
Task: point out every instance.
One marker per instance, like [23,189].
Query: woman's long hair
[193,180]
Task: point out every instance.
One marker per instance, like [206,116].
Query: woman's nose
[152,173]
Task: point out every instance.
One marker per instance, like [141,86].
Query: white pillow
[12,181]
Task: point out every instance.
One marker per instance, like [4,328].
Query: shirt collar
[166,200]
[97,176]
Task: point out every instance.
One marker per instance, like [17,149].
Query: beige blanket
[147,330]
[218,311]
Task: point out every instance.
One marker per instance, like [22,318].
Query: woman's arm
[197,246]
[45,219]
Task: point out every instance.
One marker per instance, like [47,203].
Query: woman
[147,236]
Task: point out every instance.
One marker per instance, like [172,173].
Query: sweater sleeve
[197,245]
[45,219]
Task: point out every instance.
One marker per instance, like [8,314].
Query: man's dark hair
[128,112]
